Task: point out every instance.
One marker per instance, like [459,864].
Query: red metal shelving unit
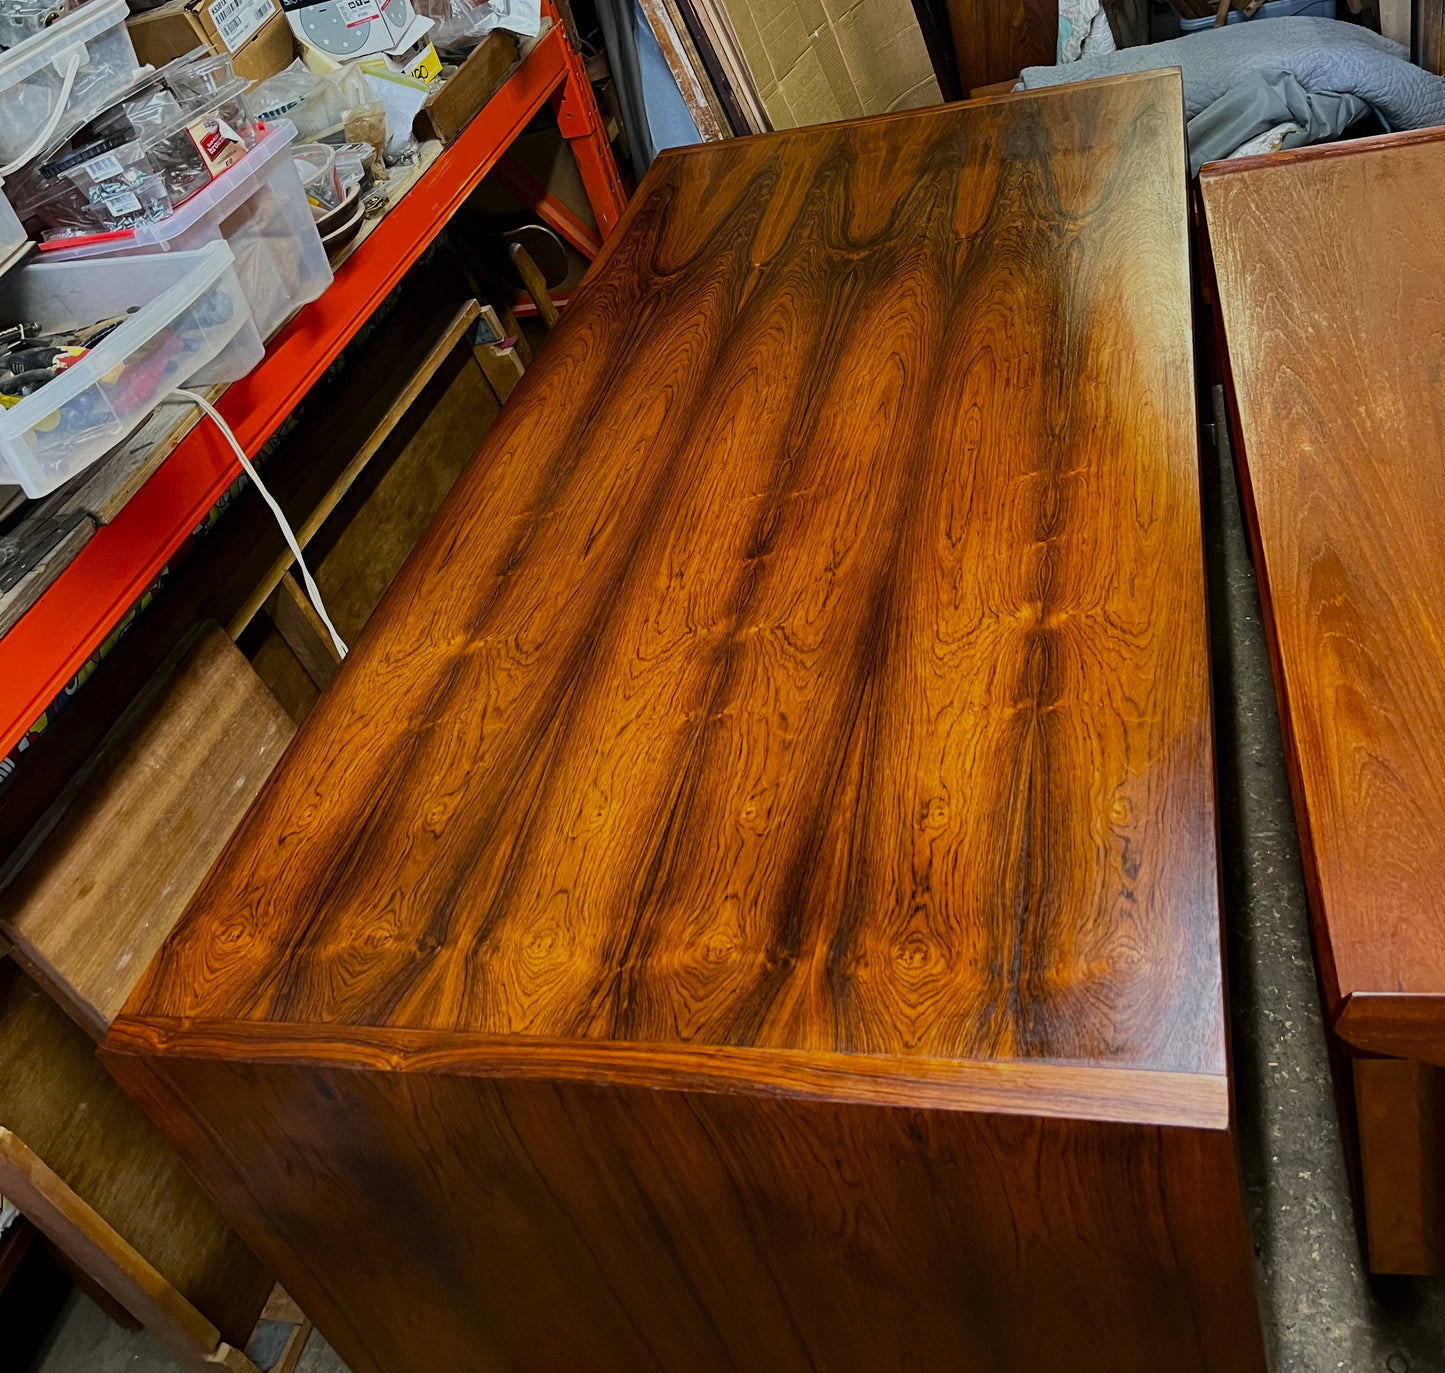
[50,644]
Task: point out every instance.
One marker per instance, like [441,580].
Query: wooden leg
[535,283]
[1401,1110]
[57,1212]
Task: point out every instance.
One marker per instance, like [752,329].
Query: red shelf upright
[54,639]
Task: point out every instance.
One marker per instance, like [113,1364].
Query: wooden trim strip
[937,111]
[1398,1024]
[1320,152]
[1027,1088]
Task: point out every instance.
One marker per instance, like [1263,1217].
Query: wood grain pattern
[814,656]
[996,39]
[749,898]
[1400,1107]
[1337,346]
[1064,1091]
[91,895]
[457,1223]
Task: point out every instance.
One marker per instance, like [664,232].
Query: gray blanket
[1324,56]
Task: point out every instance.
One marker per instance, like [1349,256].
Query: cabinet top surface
[1331,272]
[814,656]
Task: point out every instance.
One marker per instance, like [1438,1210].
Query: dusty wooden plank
[91,895]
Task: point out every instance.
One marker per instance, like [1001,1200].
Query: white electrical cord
[287,533]
[67,84]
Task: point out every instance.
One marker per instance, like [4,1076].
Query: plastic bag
[323,112]
[464,23]
[282,94]
[402,96]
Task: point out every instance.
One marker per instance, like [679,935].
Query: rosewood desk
[749,901]
[1330,267]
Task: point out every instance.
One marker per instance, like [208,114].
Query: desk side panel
[428,1221]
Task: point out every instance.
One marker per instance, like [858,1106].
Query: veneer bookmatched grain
[758,863]
[1336,345]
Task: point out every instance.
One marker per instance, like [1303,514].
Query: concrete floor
[1322,1311]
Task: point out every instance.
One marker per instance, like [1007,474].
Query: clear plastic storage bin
[89,52]
[260,210]
[12,234]
[193,325]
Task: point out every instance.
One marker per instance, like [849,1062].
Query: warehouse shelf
[50,644]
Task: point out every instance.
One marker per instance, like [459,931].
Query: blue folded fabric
[1325,57]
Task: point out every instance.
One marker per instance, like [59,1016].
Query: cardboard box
[254,32]
[451,107]
[819,60]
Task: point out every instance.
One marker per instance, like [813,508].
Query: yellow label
[427,66]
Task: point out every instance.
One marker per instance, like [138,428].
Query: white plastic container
[92,47]
[260,210]
[193,325]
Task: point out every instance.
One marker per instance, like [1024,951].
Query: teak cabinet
[749,900]
[1336,349]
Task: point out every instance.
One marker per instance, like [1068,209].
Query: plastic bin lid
[215,201]
[51,46]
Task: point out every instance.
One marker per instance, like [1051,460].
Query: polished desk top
[806,685]
[1331,272]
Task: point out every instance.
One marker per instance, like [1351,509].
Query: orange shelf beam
[50,644]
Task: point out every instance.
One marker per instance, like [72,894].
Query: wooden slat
[91,895]
[63,1108]
[687,70]
[711,31]
[416,369]
[85,1237]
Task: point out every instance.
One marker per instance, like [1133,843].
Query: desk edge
[1071,1091]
